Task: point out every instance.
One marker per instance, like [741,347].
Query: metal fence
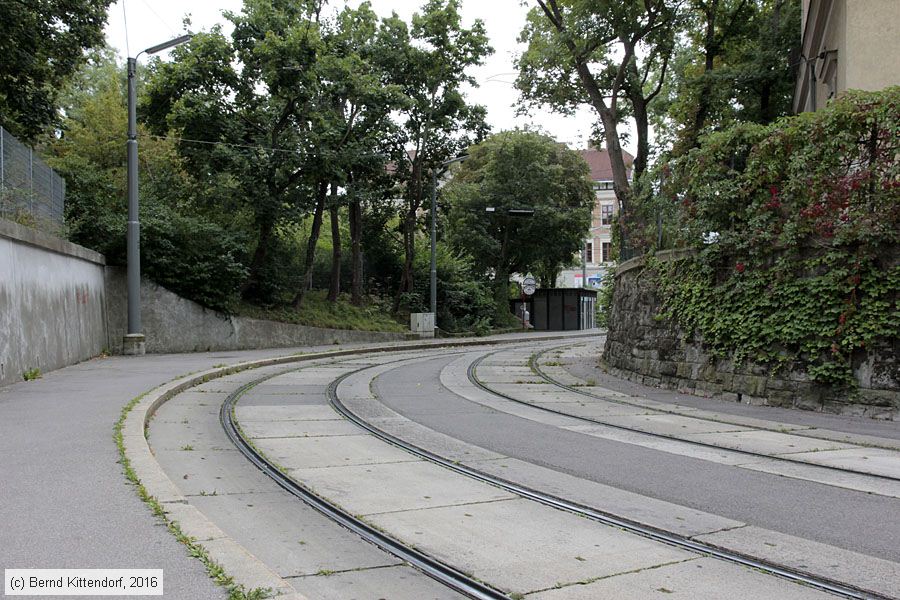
[30,191]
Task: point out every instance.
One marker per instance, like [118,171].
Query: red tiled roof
[598,161]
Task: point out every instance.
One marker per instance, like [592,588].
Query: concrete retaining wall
[173,324]
[52,302]
[60,304]
[657,352]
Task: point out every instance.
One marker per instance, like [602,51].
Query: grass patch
[31,374]
[214,569]
[317,311]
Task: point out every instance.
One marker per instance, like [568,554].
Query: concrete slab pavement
[680,581]
[828,515]
[64,502]
[581,362]
[452,377]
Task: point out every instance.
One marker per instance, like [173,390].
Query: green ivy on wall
[797,227]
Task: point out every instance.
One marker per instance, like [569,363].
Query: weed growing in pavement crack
[213,569]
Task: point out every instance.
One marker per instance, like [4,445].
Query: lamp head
[166,45]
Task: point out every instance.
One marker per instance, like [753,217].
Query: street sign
[529,285]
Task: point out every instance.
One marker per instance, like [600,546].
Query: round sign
[529,285]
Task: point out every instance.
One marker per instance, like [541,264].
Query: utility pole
[133,343]
[434,173]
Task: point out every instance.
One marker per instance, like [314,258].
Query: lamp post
[434,173]
[134,339]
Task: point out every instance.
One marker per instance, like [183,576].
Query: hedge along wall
[791,287]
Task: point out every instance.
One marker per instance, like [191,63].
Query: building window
[589,252]
[606,214]
[603,185]
[605,250]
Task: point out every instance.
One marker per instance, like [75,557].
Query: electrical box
[422,324]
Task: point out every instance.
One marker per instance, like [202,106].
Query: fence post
[31,180]
[2,174]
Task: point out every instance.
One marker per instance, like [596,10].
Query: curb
[244,568]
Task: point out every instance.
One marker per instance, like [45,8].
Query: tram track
[534,363]
[473,378]
[447,574]
[438,570]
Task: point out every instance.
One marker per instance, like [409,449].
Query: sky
[153,21]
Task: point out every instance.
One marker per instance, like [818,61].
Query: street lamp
[444,164]
[134,339]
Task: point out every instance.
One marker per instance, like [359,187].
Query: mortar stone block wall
[644,348]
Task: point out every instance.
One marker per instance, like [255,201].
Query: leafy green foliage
[430,61]
[605,298]
[601,54]
[192,256]
[182,247]
[465,300]
[519,170]
[42,45]
[736,63]
[804,268]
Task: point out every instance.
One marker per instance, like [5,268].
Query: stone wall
[174,324]
[653,351]
[52,302]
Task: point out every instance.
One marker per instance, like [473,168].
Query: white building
[597,252]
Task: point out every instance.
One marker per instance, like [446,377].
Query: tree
[236,108]
[601,54]
[42,45]
[353,101]
[429,62]
[734,63]
[519,170]
[277,115]
[182,247]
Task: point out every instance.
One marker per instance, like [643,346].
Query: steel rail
[534,364]
[473,378]
[442,572]
[795,575]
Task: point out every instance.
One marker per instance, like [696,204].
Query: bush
[192,257]
[463,300]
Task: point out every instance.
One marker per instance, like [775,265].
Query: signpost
[529,285]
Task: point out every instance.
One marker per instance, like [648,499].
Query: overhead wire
[125,20]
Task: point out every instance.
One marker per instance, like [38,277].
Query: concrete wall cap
[638,262]
[33,237]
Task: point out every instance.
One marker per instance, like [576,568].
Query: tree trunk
[356,253]
[409,252]
[711,51]
[251,286]
[334,288]
[415,191]
[642,128]
[306,283]
[501,279]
